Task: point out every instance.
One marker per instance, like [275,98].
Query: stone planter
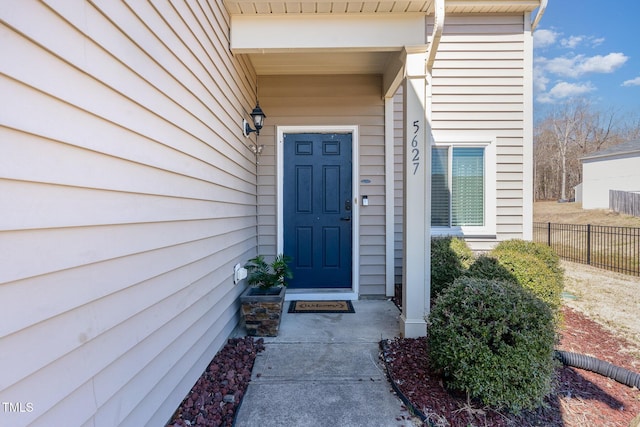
[262,310]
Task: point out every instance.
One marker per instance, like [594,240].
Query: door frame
[319,294]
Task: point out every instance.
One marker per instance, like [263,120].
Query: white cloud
[561,76]
[578,65]
[561,65]
[544,38]
[632,82]
[602,64]
[571,42]
[540,79]
[564,90]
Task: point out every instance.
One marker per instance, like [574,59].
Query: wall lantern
[258,120]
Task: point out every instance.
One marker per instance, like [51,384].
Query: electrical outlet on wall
[239,273]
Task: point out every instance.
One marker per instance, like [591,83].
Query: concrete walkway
[324,370]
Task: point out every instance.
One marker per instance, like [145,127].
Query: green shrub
[462,251]
[533,274]
[543,252]
[450,258]
[494,341]
[488,267]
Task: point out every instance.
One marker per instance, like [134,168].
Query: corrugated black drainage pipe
[622,375]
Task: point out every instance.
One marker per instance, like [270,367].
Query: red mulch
[581,398]
[216,396]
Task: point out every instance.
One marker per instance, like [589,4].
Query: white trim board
[489,230]
[323,294]
[349,32]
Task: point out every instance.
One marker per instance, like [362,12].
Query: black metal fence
[611,248]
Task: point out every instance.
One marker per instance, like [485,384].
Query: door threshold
[320,294]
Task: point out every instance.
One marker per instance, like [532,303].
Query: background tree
[567,133]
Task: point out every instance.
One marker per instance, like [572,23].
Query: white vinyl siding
[341,100]
[127,197]
[614,172]
[478,94]
[398,206]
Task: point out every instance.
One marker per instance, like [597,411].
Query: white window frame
[489,227]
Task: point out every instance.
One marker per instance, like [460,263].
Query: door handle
[345,218]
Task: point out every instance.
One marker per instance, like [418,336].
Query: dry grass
[608,298]
[611,299]
[572,213]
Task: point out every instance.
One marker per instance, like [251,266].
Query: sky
[588,48]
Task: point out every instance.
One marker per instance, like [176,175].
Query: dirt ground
[611,299]
[572,213]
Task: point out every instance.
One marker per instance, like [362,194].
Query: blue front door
[317,209]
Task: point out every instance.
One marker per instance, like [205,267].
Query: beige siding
[398,209]
[324,101]
[127,197]
[478,93]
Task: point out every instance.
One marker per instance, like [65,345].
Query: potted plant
[263,302]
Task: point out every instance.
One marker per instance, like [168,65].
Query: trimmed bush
[450,258]
[533,274]
[543,252]
[494,341]
[462,251]
[488,267]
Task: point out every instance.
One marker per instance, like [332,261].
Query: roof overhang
[274,7]
[328,37]
[329,33]
[625,149]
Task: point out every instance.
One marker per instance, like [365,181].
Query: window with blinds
[457,186]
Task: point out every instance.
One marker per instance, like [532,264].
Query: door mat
[321,307]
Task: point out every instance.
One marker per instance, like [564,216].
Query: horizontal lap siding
[478,93]
[126,200]
[326,101]
[398,168]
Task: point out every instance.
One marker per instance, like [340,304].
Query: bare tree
[631,129]
[594,129]
[568,133]
[593,132]
[546,158]
[565,123]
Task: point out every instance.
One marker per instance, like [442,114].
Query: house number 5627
[415,151]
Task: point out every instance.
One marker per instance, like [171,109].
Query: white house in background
[614,168]
[129,192]
[577,190]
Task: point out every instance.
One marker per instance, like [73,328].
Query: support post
[416,286]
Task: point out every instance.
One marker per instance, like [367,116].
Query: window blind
[440,193]
[467,186]
[457,186]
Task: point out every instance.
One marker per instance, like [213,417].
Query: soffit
[298,62]
[320,63]
[271,7]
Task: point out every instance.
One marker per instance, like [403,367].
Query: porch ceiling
[321,63]
[294,60]
[271,7]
